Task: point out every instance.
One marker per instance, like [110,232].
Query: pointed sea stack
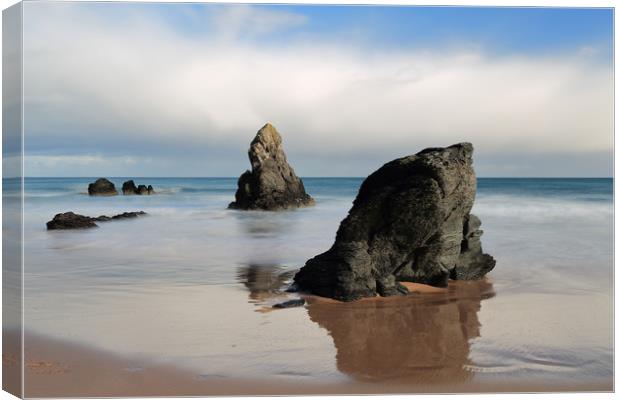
[272,183]
[410,222]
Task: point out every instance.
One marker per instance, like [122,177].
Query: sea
[192,284]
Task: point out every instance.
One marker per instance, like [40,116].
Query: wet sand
[61,369]
[373,341]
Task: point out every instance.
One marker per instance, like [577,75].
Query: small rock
[102,187]
[290,303]
[129,188]
[132,214]
[292,288]
[70,220]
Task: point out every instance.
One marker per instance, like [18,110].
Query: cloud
[242,20]
[96,84]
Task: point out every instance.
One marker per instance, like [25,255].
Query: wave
[541,209]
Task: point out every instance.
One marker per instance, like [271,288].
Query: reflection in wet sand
[260,224]
[420,337]
[263,281]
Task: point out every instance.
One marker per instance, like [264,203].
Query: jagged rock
[102,187]
[129,188]
[410,222]
[472,262]
[70,220]
[272,183]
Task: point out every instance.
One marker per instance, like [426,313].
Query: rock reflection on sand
[263,281]
[423,337]
[261,224]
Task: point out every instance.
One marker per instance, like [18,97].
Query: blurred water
[185,283]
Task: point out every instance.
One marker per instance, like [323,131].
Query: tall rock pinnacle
[272,183]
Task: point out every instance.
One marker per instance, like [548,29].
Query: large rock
[272,183]
[102,187]
[129,188]
[410,222]
[71,220]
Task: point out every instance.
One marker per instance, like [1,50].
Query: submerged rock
[102,187]
[131,214]
[290,303]
[411,222]
[272,183]
[70,220]
[129,188]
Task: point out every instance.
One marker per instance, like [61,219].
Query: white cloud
[87,76]
[81,165]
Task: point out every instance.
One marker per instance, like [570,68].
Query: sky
[156,89]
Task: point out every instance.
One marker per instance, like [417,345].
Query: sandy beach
[372,337]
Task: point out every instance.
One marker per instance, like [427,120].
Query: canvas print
[258,199]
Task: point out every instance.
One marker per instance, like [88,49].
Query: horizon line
[302,177]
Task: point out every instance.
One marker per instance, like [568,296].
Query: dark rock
[409,222]
[472,262]
[290,303]
[70,220]
[129,188]
[132,214]
[102,187]
[292,288]
[272,183]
